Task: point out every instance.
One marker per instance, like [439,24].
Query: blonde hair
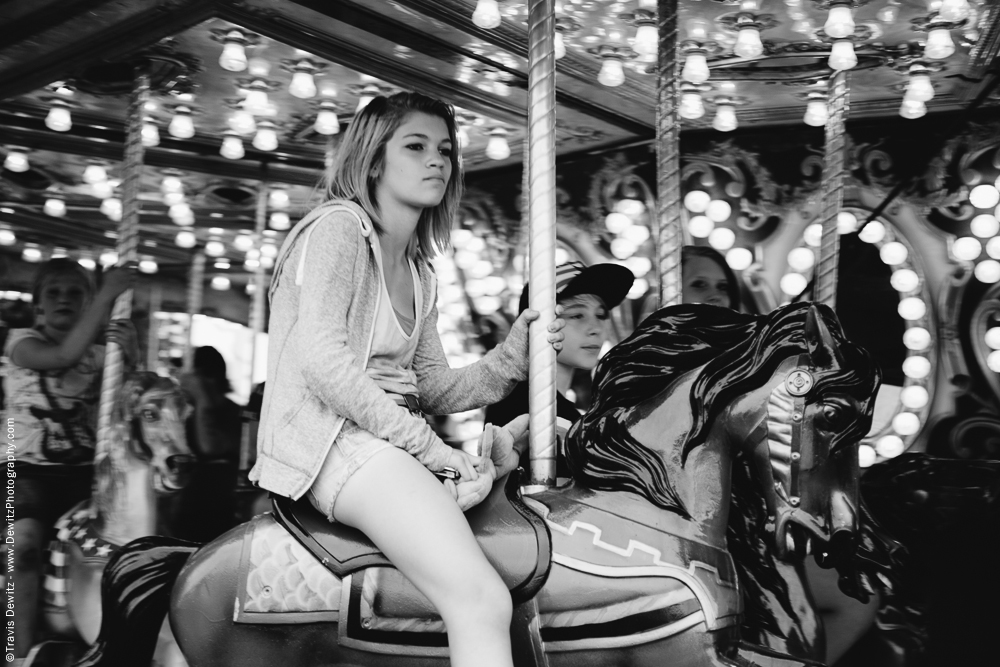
[360,162]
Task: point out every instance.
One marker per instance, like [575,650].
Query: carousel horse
[627,564]
[147,456]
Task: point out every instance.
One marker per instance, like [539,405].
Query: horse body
[639,574]
[146,455]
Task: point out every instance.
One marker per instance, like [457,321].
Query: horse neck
[123,501]
[701,481]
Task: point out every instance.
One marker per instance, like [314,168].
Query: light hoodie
[320,337]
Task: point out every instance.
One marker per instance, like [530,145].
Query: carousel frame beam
[363,18]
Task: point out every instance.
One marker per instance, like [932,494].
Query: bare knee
[478,597]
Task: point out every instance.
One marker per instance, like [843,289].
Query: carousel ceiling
[252,91]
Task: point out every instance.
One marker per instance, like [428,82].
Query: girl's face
[417,164]
[586,331]
[704,282]
[62,301]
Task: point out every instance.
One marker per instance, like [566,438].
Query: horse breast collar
[798,383]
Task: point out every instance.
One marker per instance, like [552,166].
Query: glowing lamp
[7,237]
[987,271]
[303,85]
[16,161]
[326,122]
[148,265]
[31,253]
[906,423]
[912,109]
[278,198]
[215,248]
[58,118]
[697,201]
[94,173]
[647,40]
[816,113]
[911,308]
[150,134]
[722,238]
[839,22]
[691,106]
[813,235]
[893,253]
[873,232]
[966,248]
[914,397]
[279,221]
[842,55]
[748,44]
[992,338]
[847,222]
[700,226]
[220,283]
[55,207]
[953,10]
[695,67]
[739,259]
[487,14]
[916,367]
[242,121]
[725,118]
[920,87]
[985,226]
[801,259]
[612,72]
[890,446]
[232,147]
[993,361]
[637,234]
[904,280]
[185,239]
[497,147]
[792,284]
[266,138]
[181,125]
[984,196]
[234,56]
[103,189]
[939,44]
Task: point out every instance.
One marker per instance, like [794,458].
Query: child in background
[52,384]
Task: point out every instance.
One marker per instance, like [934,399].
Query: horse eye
[149,414]
[833,415]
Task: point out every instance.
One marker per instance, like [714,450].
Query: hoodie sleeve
[326,362]
[444,390]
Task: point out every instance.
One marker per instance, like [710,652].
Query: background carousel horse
[632,554]
[147,455]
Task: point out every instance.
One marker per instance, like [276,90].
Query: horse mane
[738,351]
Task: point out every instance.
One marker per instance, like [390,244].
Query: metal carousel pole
[128,246]
[669,237]
[825,290]
[195,292]
[542,240]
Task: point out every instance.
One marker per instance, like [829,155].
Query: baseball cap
[609,282]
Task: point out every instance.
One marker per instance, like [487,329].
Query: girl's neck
[564,378]
[399,224]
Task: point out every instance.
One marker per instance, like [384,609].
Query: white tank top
[395,340]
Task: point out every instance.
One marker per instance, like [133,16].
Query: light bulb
[873,232]
[497,148]
[904,280]
[487,14]
[953,10]
[966,248]
[801,259]
[215,248]
[700,226]
[748,44]
[612,73]
[16,161]
[987,271]
[914,397]
[31,253]
[242,121]
[718,210]
[816,113]
[839,22]
[792,284]
[234,56]
[258,67]
[725,118]
[112,207]
[697,28]
[637,234]
[691,107]
[220,283]
[617,222]
[559,46]
[697,201]
[984,196]
[58,119]
[920,87]
[303,86]
[94,173]
[55,207]
[181,125]
[256,102]
[266,138]
[171,198]
[278,199]
[150,135]
[647,40]
[939,44]
[87,262]
[185,239]
[181,210]
[102,190]
[722,238]
[985,226]
[739,259]
[893,253]
[695,67]
[326,122]
[279,221]
[912,109]
[148,265]
[842,55]
[232,147]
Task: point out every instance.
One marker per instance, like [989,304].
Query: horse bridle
[798,383]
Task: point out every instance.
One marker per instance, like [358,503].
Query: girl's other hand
[465,465]
[555,336]
[123,334]
[468,494]
[117,280]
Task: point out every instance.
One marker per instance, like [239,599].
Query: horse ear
[823,350]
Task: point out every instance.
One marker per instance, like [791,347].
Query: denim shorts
[352,449]
[46,492]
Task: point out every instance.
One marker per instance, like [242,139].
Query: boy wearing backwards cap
[586,294]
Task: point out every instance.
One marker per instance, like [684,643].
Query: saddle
[514,539]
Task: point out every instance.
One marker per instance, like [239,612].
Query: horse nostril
[180,463]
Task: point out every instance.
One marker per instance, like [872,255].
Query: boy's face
[62,300]
[586,331]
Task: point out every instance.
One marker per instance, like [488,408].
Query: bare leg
[408,514]
[29,535]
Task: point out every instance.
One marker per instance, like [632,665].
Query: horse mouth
[176,473]
[797,536]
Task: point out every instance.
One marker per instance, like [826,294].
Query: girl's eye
[416,147]
[446,152]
